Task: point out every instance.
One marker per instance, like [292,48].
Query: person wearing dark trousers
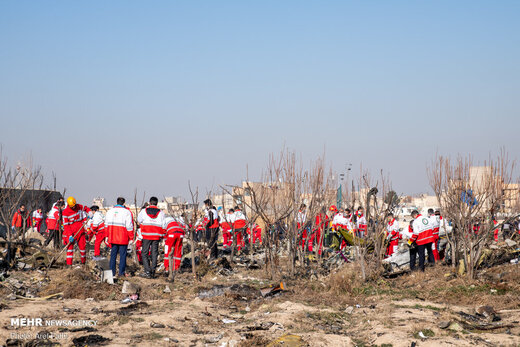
[413,248]
[212,225]
[421,249]
[151,220]
[119,225]
[423,237]
[53,222]
[114,251]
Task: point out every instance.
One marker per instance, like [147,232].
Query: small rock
[510,243]
[486,311]
[214,339]
[167,289]
[349,310]
[130,288]
[89,299]
[444,324]
[157,325]
[455,327]
[15,283]
[228,321]
[248,309]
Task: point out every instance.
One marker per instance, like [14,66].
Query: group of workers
[422,233]
[77,225]
[120,231]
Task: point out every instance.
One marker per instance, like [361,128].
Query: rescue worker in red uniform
[74,217]
[239,225]
[361,223]
[226,229]
[53,222]
[212,227]
[392,235]
[322,221]
[21,220]
[422,236]
[119,224]
[436,225]
[151,220]
[139,246]
[301,220]
[255,233]
[98,229]
[175,229]
[496,229]
[37,218]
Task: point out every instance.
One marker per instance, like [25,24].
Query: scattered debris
[259,326]
[217,290]
[167,289]
[238,291]
[131,298]
[488,312]
[228,321]
[271,290]
[157,325]
[510,243]
[90,340]
[134,306]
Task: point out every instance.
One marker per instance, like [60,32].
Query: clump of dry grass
[345,279]
[80,284]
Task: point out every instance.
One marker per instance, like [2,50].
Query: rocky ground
[227,308]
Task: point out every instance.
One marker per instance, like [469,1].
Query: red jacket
[225,226]
[73,219]
[19,218]
[174,227]
[52,218]
[119,225]
[422,230]
[321,221]
[151,220]
[393,230]
[211,218]
[239,220]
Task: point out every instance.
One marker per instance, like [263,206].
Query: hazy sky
[117,95]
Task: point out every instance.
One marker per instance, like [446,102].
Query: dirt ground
[337,309]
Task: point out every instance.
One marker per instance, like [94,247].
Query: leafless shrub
[15,183]
[470,197]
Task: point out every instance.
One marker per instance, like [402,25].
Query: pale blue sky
[114,95]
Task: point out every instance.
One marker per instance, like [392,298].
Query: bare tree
[469,198]
[371,249]
[15,183]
